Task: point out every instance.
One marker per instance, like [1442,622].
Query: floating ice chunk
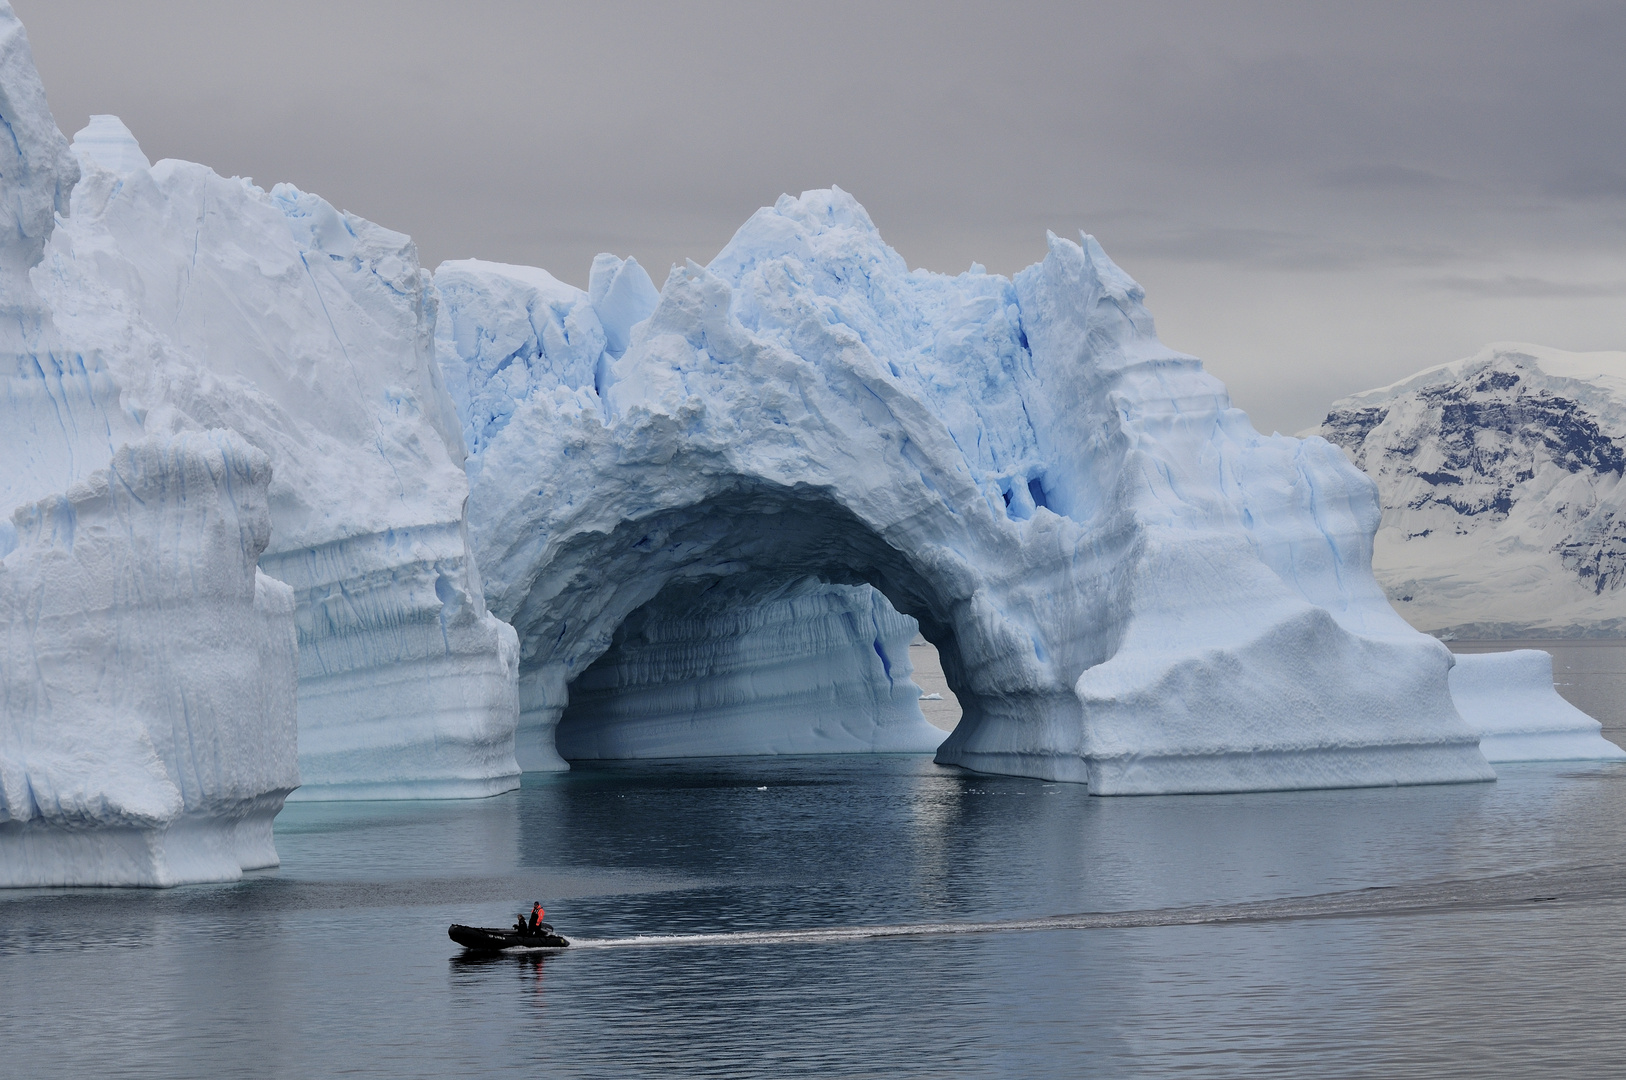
[1508,697]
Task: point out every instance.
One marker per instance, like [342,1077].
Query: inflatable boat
[487,939]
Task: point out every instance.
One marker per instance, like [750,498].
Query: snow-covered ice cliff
[1128,584]
[1504,515]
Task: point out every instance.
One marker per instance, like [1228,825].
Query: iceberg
[147,729]
[1128,585]
[701,518]
[1508,697]
[310,332]
[156,300]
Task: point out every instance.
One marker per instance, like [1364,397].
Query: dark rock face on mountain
[1500,478]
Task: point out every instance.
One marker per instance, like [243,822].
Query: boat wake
[1580,884]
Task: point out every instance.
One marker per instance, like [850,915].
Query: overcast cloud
[1318,199]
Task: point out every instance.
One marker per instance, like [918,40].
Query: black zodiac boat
[488,939]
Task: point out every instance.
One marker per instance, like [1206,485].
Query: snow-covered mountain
[1504,515]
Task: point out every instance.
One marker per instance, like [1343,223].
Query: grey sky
[1318,198]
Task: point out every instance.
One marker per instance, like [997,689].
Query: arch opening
[760,619]
[751,664]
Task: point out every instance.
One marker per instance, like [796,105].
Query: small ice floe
[763,788]
[931,697]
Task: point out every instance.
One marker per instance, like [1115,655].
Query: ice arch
[1132,586]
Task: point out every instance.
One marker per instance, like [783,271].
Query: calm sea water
[1472,930]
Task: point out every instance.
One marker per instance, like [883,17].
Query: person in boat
[536,917]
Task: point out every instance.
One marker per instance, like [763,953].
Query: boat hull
[488,939]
